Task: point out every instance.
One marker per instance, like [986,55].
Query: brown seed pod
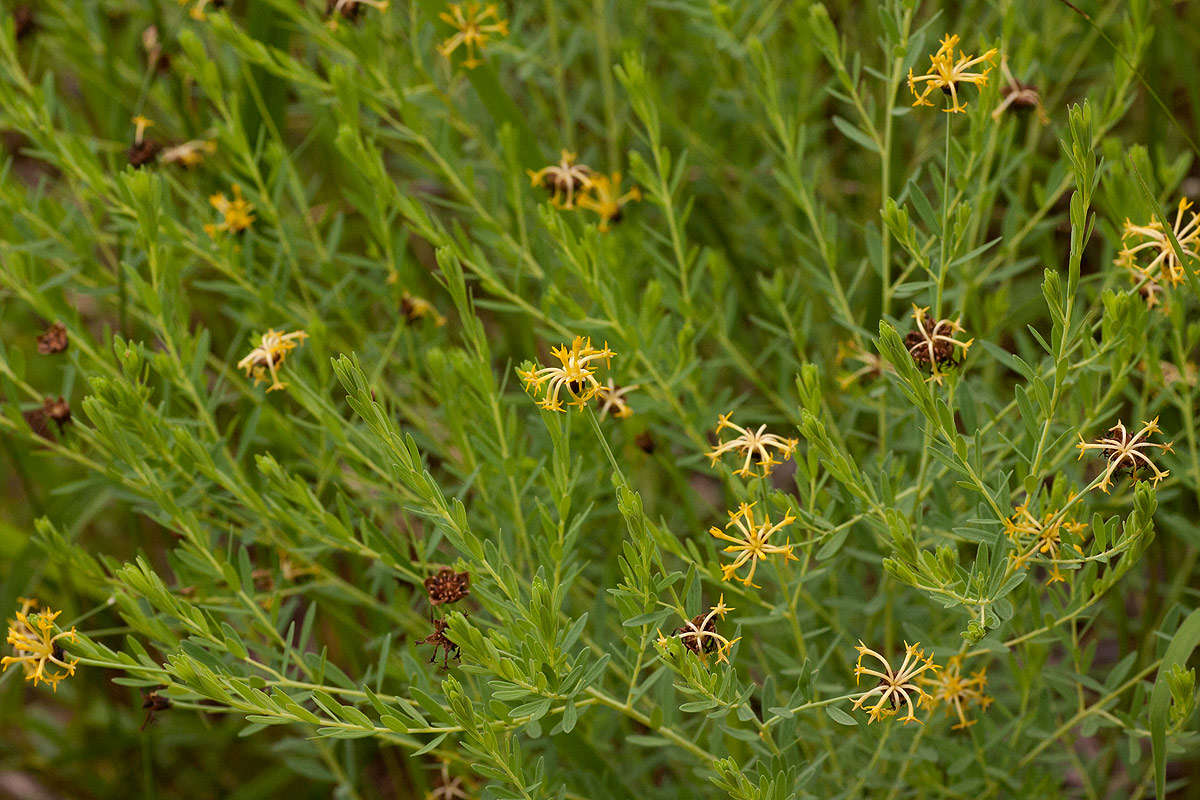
[54,340]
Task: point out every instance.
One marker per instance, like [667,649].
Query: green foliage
[255,562]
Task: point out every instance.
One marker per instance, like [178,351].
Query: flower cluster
[946,72]
[1041,536]
[765,450]
[898,687]
[235,214]
[1127,452]
[1151,241]
[576,373]
[752,542]
[573,185]
[956,692]
[473,29]
[263,361]
[35,645]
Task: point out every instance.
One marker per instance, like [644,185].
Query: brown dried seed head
[54,340]
[448,586]
[143,152]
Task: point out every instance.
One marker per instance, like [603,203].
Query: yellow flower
[189,154]
[895,686]
[612,399]
[957,692]
[575,373]
[272,349]
[699,634]
[1125,451]
[140,124]
[1152,240]
[197,11]
[752,542]
[604,197]
[35,646]
[470,20]
[1040,536]
[932,343]
[562,180]
[753,446]
[235,213]
[416,308]
[946,71]
[873,365]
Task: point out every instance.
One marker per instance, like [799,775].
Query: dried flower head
[1018,96]
[350,9]
[604,197]
[946,72]
[611,399]
[54,340]
[575,373]
[191,154]
[700,636]
[470,20]
[895,686]
[23,22]
[447,586]
[58,410]
[957,692]
[263,361]
[153,702]
[932,343]
[1127,452]
[35,645]
[562,180]
[872,366]
[1034,536]
[418,308]
[448,788]
[1151,239]
[155,57]
[440,641]
[235,214]
[752,541]
[755,447]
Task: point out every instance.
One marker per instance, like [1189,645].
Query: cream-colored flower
[896,686]
[263,361]
[1128,452]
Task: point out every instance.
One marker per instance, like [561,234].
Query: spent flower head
[475,24]
[751,541]
[896,686]
[755,447]
[575,372]
[35,645]
[263,361]
[1018,96]
[932,343]
[700,635]
[1128,452]
[563,180]
[946,71]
